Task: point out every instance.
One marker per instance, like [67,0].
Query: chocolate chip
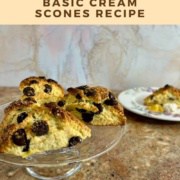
[167,86]
[33,82]
[47,88]
[82,87]
[40,128]
[29,100]
[21,117]
[171,98]
[78,96]
[99,106]
[89,92]
[28,91]
[50,105]
[111,96]
[151,97]
[87,116]
[57,111]
[70,89]
[51,80]
[26,148]
[110,102]
[42,77]
[61,103]
[19,137]
[74,140]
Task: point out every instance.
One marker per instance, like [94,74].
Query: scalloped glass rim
[103,139]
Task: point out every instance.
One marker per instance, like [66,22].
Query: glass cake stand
[62,163]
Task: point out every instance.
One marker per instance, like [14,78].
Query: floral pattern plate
[132,100]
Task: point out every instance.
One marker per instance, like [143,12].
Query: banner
[89,12]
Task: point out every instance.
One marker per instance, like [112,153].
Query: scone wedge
[94,105]
[28,129]
[162,96]
[41,89]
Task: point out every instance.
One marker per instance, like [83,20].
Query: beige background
[156,12]
[118,57]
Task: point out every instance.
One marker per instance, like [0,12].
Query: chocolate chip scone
[41,89]
[28,128]
[94,105]
[157,101]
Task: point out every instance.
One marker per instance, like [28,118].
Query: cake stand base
[54,173]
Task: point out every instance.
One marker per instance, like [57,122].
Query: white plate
[132,100]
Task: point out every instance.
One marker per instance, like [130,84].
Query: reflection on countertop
[149,150]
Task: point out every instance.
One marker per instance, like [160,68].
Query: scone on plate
[41,89]
[94,105]
[159,99]
[28,128]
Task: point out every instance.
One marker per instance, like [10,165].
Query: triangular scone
[158,99]
[41,89]
[28,129]
[94,105]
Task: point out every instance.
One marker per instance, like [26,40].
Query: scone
[94,105]
[41,89]
[28,128]
[158,100]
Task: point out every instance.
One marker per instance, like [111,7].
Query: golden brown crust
[5,135]
[36,79]
[61,124]
[95,105]
[167,88]
[41,89]
[14,108]
[96,93]
[18,104]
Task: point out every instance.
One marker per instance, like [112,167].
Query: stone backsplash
[118,57]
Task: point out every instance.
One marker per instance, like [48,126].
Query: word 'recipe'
[102,8]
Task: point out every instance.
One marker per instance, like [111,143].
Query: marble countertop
[150,149]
